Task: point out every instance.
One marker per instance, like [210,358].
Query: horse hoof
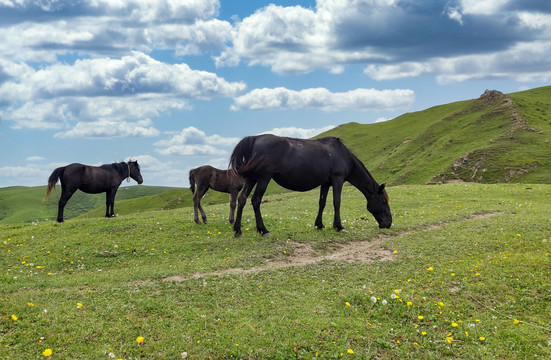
[238,234]
[320,227]
[342,231]
[267,235]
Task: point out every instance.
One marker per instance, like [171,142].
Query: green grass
[472,259]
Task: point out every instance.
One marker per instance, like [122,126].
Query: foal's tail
[53,180]
[192,180]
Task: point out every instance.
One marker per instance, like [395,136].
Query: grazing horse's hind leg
[240,205]
[323,198]
[256,201]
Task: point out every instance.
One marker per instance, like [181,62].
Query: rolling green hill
[495,138]
[25,204]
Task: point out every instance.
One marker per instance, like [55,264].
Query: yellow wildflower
[350,351]
[47,352]
[139,340]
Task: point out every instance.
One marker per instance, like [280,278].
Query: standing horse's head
[134,171]
[378,206]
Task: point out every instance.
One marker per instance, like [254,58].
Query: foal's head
[378,206]
[134,171]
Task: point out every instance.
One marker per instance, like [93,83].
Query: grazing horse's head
[378,206]
[134,171]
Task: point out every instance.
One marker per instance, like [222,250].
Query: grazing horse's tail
[192,180]
[242,153]
[53,180]
[245,163]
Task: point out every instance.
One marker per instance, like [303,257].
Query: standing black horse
[220,180]
[92,180]
[302,165]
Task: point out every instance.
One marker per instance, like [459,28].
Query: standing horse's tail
[192,180]
[56,174]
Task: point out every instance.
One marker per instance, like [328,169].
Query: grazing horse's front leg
[337,190]
[323,198]
[242,200]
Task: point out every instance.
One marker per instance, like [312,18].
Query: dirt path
[352,252]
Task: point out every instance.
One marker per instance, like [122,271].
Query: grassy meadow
[463,273]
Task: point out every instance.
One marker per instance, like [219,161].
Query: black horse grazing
[220,180]
[92,180]
[303,165]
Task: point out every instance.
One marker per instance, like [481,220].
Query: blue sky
[175,84]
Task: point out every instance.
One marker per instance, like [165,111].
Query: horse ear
[381,188]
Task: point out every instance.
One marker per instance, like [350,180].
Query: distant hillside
[25,204]
[495,138]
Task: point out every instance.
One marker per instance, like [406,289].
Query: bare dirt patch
[352,252]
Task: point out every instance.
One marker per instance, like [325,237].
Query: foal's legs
[240,205]
[233,201]
[66,194]
[201,190]
[323,198]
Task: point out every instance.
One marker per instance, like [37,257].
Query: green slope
[25,204]
[495,138]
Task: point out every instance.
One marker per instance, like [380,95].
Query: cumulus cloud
[384,33]
[132,87]
[298,132]
[106,129]
[42,30]
[500,65]
[323,99]
[192,141]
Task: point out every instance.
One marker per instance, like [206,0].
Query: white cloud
[298,132]
[486,7]
[132,87]
[106,129]
[192,141]
[35,158]
[130,75]
[499,65]
[387,34]
[323,99]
